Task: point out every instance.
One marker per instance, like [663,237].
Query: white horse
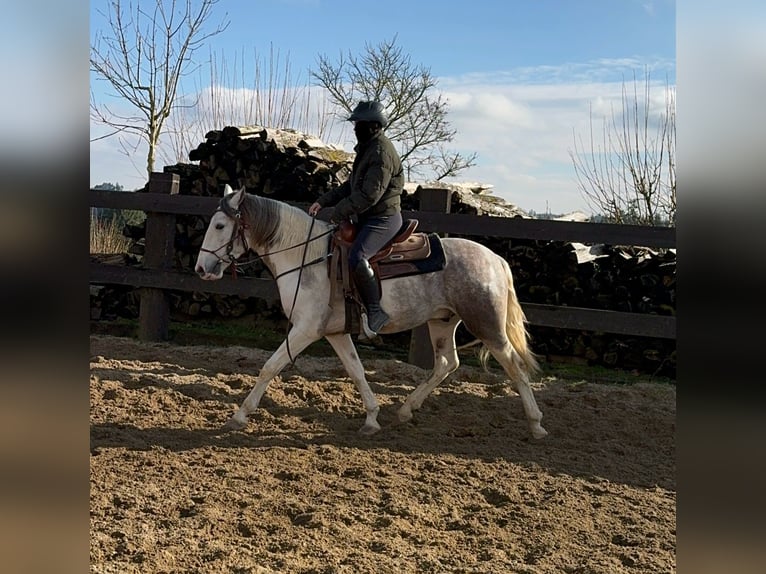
[475,287]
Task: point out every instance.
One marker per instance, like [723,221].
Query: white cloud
[648,7]
[524,128]
[489,108]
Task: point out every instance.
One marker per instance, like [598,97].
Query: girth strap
[340,258]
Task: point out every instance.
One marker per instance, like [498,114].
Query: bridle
[238,233]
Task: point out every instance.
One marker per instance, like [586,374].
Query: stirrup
[382,317]
[366,334]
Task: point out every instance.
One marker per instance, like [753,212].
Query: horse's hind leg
[514,368]
[272,367]
[344,347]
[442,334]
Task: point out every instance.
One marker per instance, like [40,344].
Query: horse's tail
[516,329]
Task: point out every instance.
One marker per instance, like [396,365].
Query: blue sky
[520,76]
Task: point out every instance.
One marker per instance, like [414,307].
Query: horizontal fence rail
[455,223]
[579,318]
[161,203]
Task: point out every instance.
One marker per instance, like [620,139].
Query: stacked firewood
[280,163]
[618,278]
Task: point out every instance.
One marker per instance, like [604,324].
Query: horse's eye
[219,225]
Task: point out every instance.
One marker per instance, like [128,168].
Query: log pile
[628,279]
[108,302]
[280,163]
[468,198]
[295,167]
[616,278]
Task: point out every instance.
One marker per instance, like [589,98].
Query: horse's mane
[278,225]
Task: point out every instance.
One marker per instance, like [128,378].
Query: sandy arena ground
[461,488]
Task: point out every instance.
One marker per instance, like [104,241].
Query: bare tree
[417,114]
[629,176]
[142,54]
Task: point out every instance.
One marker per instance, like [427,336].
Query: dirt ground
[461,488]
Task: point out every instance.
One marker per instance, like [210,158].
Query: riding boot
[367,285]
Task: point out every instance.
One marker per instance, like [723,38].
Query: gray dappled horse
[475,287]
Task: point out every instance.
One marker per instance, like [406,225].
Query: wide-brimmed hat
[369,112]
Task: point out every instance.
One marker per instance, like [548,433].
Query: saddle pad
[388,267]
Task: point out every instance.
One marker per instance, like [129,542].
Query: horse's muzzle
[216,273]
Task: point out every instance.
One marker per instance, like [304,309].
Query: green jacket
[375,186]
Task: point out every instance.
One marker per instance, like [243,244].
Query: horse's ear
[234,198]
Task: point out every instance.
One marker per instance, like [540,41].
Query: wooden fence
[162,203]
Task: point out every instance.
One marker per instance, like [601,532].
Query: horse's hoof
[234,425]
[539,432]
[369,430]
[404,415]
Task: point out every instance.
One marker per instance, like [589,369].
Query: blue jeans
[373,234]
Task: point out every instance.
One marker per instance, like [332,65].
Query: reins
[305,244]
[298,287]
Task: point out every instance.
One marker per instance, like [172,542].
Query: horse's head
[224,239]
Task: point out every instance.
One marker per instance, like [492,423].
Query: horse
[475,287]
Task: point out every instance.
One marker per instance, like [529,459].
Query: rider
[372,197]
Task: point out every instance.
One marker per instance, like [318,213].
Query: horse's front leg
[344,347]
[298,341]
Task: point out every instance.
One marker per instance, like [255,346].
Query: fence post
[154,313]
[421,352]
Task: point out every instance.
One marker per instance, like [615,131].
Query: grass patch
[106,236]
[577,374]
